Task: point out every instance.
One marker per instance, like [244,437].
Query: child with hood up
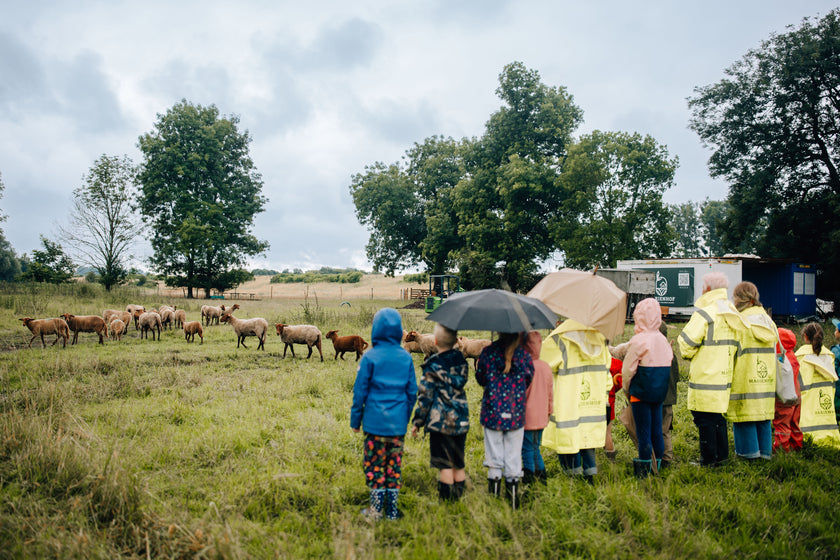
[383,396]
[539,397]
[645,375]
[786,432]
[816,368]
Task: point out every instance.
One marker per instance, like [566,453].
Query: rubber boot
[590,479]
[542,476]
[512,490]
[494,486]
[392,496]
[641,468]
[377,501]
[458,489]
[529,477]
[445,492]
[659,466]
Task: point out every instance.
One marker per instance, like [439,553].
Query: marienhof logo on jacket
[761,369]
[825,400]
[585,390]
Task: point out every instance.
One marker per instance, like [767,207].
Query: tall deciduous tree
[688,230]
[9,263]
[200,194]
[507,203]
[613,209]
[773,123]
[50,264]
[103,225]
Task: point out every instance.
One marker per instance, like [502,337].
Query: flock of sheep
[114,324]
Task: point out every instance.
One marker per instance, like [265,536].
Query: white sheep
[299,334]
[149,321]
[247,327]
[167,316]
[472,347]
[210,313]
[180,318]
[117,328]
[425,343]
[40,327]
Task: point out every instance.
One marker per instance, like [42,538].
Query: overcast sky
[328,87]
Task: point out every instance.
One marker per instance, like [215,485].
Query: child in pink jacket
[539,400]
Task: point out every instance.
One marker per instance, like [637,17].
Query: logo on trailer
[661,285]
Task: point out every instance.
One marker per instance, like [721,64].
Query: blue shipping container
[788,289]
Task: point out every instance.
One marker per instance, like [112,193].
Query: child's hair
[745,295]
[509,342]
[814,333]
[445,338]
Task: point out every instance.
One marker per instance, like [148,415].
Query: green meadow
[165,449]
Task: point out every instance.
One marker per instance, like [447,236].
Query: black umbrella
[493,310]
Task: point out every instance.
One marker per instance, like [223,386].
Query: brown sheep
[167,316]
[191,329]
[110,314]
[247,327]
[117,328]
[350,343]
[425,343]
[86,323]
[126,318]
[149,321]
[299,334]
[40,327]
[180,318]
[132,308]
[472,347]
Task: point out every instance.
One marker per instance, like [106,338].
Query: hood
[387,327]
[615,366]
[533,344]
[589,340]
[759,323]
[647,316]
[823,364]
[710,297]
[788,338]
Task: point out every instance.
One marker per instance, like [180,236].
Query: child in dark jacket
[383,396]
[505,370]
[442,408]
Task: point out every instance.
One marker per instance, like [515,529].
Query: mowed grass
[170,449]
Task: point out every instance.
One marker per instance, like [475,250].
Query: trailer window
[810,284]
[798,283]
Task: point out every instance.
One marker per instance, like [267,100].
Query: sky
[325,88]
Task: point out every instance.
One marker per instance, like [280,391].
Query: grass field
[169,449]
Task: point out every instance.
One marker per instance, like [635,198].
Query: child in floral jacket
[442,408]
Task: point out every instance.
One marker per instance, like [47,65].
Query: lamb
[117,328]
[149,321]
[181,318]
[425,342]
[191,329]
[40,327]
[299,334]
[86,323]
[472,347]
[350,343]
[247,327]
[126,318]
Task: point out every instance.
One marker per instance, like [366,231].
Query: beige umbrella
[585,297]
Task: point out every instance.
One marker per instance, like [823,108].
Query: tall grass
[170,449]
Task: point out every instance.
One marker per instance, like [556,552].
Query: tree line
[497,206]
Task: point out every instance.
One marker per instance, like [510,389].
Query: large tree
[50,264]
[9,263]
[774,125]
[613,208]
[200,194]
[507,203]
[103,225]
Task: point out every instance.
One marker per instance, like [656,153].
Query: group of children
[520,394]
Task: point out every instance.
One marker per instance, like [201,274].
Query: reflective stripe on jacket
[818,377]
[753,394]
[580,360]
[709,341]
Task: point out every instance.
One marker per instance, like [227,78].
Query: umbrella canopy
[585,297]
[493,310]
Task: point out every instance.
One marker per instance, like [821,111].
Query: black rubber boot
[512,490]
[445,492]
[529,477]
[458,489]
[494,486]
[641,468]
[542,476]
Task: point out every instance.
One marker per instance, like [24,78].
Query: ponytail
[814,333]
[509,342]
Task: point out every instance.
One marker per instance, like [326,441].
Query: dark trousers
[714,439]
[648,419]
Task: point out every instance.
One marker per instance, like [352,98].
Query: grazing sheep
[149,321]
[132,308]
[210,313]
[247,327]
[86,323]
[350,343]
[191,329]
[117,328]
[299,334]
[167,315]
[180,318]
[472,347]
[110,314]
[126,318]
[40,327]
[425,343]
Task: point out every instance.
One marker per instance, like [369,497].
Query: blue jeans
[753,439]
[582,462]
[531,457]
[648,419]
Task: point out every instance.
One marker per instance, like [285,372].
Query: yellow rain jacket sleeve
[580,360]
[818,378]
[752,397]
[709,341]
